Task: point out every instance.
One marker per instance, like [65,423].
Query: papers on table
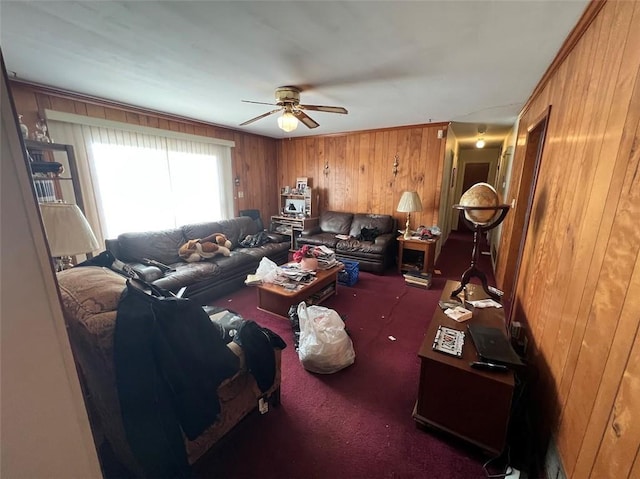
[485,303]
[253,279]
[458,313]
[294,272]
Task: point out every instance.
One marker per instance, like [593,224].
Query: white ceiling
[390,63]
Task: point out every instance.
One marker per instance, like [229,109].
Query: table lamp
[409,203]
[68,232]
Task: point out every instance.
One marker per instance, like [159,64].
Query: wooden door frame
[532,160]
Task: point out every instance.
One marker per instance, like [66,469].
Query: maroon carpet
[358,422]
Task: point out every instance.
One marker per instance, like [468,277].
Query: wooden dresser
[469,403]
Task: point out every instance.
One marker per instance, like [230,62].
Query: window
[138,178]
[143,188]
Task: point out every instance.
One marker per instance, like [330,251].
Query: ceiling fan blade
[328,109]
[258,102]
[261,116]
[307,120]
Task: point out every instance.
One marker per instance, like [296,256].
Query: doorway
[476,166]
[473,173]
[533,154]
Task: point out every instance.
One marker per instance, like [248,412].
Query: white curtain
[136,181]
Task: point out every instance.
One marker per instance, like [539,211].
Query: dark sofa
[374,248]
[204,280]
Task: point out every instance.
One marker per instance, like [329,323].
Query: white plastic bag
[325,347]
[267,270]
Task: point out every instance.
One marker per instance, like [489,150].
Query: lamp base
[407,231]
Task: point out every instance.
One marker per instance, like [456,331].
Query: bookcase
[292,226]
[54,172]
[298,210]
[297,204]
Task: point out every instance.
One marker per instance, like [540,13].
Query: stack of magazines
[326,258]
[417,279]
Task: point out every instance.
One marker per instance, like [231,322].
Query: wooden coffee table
[277,300]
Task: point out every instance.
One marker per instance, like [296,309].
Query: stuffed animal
[200,249]
[219,239]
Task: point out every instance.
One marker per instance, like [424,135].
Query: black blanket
[170,359]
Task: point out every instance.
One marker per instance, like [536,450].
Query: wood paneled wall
[354,171]
[580,273]
[254,157]
[351,171]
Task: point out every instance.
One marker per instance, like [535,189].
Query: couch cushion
[187,273]
[237,261]
[384,223]
[374,248]
[327,239]
[270,250]
[335,222]
[159,245]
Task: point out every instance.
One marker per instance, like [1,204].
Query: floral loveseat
[204,280]
[369,239]
[90,297]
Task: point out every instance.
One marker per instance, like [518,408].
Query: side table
[427,247]
[472,404]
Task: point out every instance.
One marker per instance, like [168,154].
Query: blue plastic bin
[349,275]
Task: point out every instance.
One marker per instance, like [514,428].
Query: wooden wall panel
[359,177]
[254,157]
[578,283]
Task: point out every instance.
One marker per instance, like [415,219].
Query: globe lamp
[288,122]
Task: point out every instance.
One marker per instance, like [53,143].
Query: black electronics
[493,346]
[488,366]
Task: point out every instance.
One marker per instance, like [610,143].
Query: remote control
[488,366]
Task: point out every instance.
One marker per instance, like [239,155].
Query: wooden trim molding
[443,124]
[590,13]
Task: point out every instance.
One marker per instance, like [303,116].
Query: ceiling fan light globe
[480,143]
[287,122]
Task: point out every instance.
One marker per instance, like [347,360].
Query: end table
[427,247]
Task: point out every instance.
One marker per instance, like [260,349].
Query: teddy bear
[204,248]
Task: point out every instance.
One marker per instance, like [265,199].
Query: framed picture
[301,184]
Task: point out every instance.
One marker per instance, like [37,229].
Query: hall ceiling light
[482,129]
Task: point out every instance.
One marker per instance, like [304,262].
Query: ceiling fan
[288,101]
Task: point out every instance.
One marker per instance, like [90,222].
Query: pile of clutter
[326,257]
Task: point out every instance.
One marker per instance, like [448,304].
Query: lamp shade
[288,122]
[68,231]
[409,202]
